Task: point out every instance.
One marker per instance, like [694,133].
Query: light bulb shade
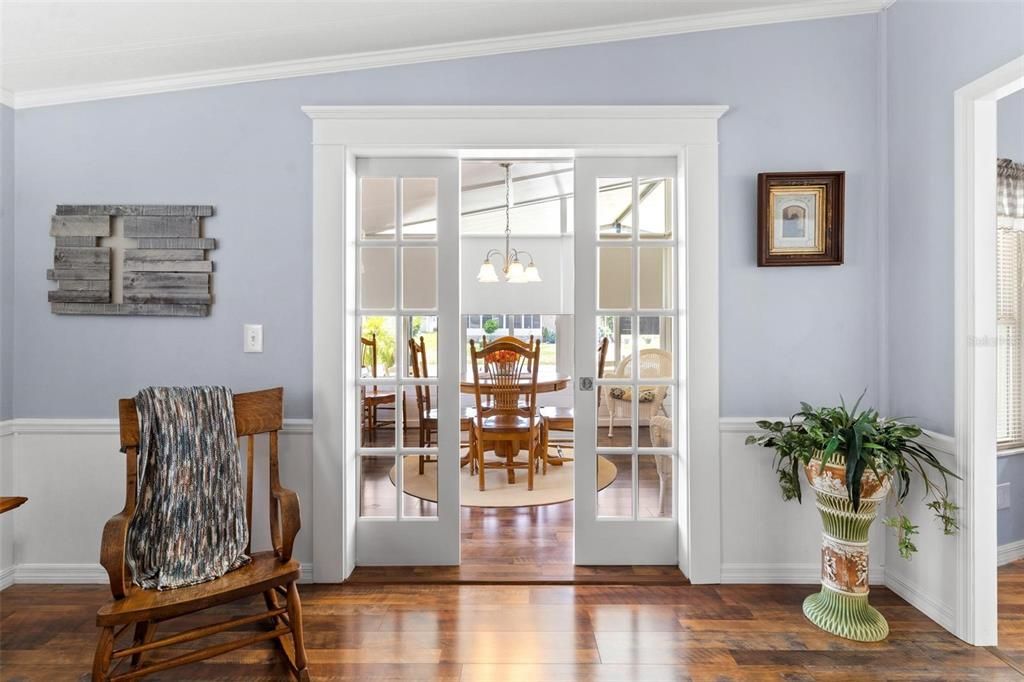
[516,274]
[532,273]
[487,273]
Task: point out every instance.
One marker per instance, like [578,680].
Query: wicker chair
[661,437]
[654,364]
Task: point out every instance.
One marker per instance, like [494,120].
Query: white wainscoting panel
[6,489]
[73,475]
[766,539]
[928,581]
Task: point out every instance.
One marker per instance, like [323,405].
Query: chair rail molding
[341,134]
[975,332]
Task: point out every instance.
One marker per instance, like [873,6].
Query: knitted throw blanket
[189,525]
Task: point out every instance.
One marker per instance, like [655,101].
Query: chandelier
[513,268]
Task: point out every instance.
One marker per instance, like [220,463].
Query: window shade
[1010,419]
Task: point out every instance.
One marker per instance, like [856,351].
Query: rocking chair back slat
[255,413]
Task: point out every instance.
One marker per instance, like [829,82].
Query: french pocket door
[407,288]
[627,415]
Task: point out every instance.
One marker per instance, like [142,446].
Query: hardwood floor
[547,633]
[521,544]
[1011,615]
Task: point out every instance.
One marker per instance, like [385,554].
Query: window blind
[1009,272]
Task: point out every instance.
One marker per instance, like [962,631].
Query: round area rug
[552,488]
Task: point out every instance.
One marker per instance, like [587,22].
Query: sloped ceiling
[48,47]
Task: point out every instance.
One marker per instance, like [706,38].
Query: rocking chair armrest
[112,552]
[289,519]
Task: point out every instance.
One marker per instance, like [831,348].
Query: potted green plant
[853,460]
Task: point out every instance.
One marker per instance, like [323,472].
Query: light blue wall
[932,48]
[803,97]
[6,261]
[1010,142]
[1010,522]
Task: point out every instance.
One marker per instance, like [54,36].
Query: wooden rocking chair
[270,573]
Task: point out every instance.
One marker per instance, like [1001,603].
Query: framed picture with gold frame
[800,218]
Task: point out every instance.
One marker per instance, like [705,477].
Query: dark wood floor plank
[531,632]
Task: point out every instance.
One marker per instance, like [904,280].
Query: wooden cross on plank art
[131,259]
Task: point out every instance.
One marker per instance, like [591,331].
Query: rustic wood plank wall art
[160,260]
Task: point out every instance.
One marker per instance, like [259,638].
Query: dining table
[548,381]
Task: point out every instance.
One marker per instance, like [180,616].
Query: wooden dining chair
[372,396]
[272,573]
[564,418]
[427,413]
[506,424]
[516,339]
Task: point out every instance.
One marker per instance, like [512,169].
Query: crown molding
[446,51]
[7,98]
[377,113]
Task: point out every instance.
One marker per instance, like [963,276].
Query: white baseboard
[785,574]
[7,577]
[77,574]
[1011,551]
[70,574]
[940,613]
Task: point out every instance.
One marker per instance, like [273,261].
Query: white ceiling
[51,46]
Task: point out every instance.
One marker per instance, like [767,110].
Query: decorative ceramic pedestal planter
[841,607]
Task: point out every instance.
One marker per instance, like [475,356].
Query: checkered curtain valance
[1010,194]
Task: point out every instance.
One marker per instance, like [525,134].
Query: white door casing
[975,328]
[341,134]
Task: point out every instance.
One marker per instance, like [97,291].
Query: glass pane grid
[419,275]
[418,478]
[615,499]
[377,208]
[615,208]
[650,317]
[378,497]
[655,485]
[419,209]
[390,264]
[655,208]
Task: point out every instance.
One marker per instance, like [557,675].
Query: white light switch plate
[253,341]
[1003,496]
